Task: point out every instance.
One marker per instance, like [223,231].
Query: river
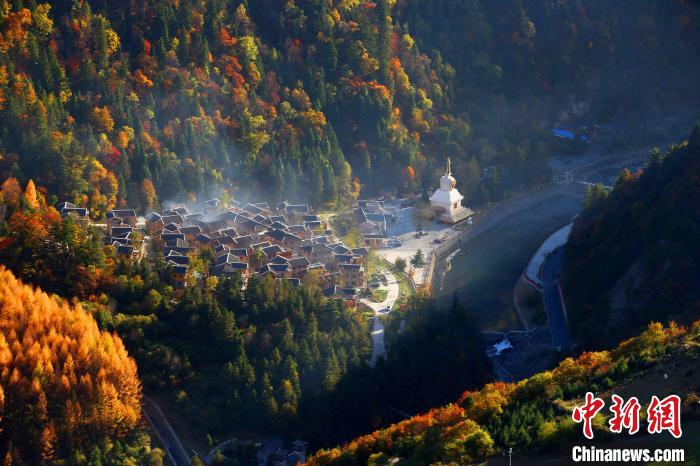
[485,270]
[483,273]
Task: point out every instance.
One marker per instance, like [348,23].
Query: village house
[120,218]
[317,253]
[255,246]
[341,292]
[229,232]
[248,226]
[79,215]
[191,232]
[353,274]
[263,220]
[116,242]
[325,239]
[165,237]
[279,260]
[331,279]
[363,253]
[179,210]
[228,216]
[179,274]
[203,239]
[318,268]
[299,266]
[215,226]
[294,212]
[159,222]
[199,216]
[300,230]
[375,240]
[228,241]
[313,226]
[292,456]
[220,249]
[177,258]
[122,232]
[370,223]
[340,248]
[244,241]
[64,205]
[277,270]
[179,245]
[258,208]
[271,251]
[240,253]
[343,259]
[229,269]
[284,238]
[125,252]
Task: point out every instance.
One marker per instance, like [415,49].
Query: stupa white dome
[448,198]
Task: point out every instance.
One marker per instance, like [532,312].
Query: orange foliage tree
[11,192]
[64,384]
[40,246]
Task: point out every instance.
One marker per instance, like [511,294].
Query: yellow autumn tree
[102,118]
[148,194]
[104,188]
[11,191]
[30,195]
[64,382]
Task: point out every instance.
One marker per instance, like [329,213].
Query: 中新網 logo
[662,415]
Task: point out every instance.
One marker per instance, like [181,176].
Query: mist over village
[349,232]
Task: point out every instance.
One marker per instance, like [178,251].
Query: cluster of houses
[121,228]
[288,242]
[372,219]
[292,456]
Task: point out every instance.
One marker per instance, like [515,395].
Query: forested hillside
[438,355]
[136,102]
[558,52]
[245,356]
[632,255]
[533,416]
[67,390]
[233,359]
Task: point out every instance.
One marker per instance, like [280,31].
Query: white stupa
[448,198]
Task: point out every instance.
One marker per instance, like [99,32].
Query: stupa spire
[448,199]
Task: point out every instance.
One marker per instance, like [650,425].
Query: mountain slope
[534,415]
[139,102]
[632,255]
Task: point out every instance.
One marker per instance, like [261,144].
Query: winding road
[553,299]
[392,288]
[176,452]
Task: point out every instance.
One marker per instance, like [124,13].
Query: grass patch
[366,311]
[378,296]
[406,289]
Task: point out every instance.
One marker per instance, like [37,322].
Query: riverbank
[492,252]
[489,217]
[487,258]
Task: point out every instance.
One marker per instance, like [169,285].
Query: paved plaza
[406,244]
